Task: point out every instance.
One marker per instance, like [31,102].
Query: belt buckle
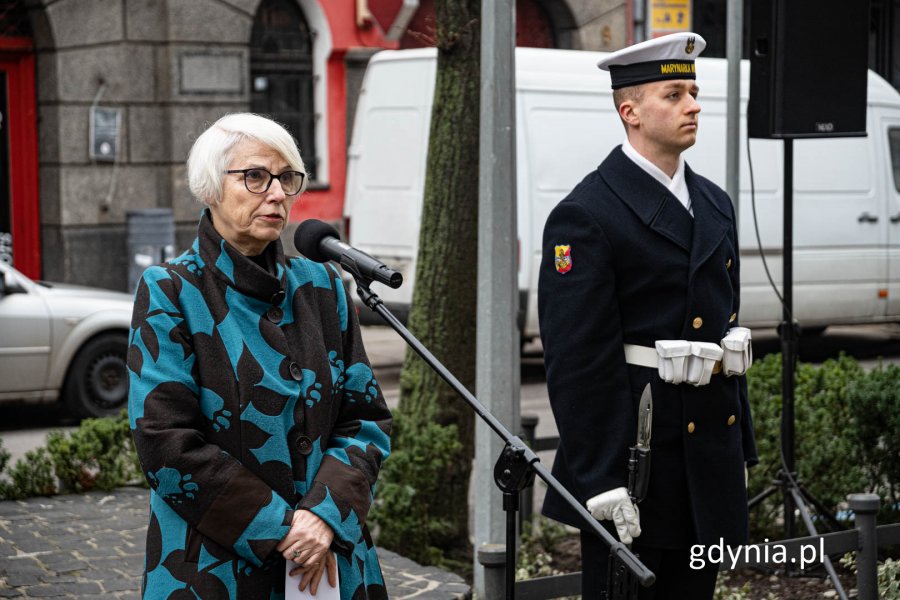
[717,367]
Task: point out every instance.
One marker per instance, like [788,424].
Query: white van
[846,190]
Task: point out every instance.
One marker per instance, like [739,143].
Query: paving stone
[66,564]
[87,552]
[92,546]
[54,578]
[18,517]
[122,585]
[45,591]
[23,579]
[103,575]
[80,588]
[111,562]
[29,543]
[10,508]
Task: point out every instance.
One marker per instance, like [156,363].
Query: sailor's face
[669,113]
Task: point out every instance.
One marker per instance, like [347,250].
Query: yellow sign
[667,16]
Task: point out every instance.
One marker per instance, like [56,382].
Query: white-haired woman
[255,414]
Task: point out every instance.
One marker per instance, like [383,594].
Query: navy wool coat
[642,270]
[251,397]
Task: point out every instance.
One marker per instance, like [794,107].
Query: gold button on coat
[698,323]
[728,264]
[732,317]
[731,420]
[691,427]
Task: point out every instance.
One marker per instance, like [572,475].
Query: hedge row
[847,436]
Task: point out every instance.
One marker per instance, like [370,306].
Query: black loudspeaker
[808,68]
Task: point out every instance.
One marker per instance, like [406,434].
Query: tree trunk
[443,311]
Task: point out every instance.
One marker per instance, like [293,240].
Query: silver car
[63,341]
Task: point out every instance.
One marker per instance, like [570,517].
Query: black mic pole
[517,465]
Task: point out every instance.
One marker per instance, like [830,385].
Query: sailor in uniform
[640,283]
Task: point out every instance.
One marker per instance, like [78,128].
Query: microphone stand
[517,465]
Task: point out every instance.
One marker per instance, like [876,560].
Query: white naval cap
[666,57]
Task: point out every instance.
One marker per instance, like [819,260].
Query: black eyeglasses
[256,182]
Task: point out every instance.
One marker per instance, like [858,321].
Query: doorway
[19,201]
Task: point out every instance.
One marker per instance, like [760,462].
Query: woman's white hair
[214,149]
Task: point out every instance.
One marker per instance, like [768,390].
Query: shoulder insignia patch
[563,259]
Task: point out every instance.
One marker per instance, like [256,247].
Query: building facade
[102,99]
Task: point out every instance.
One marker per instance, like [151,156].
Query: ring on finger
[296,553]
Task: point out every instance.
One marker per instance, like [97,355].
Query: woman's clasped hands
[307,544]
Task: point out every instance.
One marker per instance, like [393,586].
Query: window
[281,74]
[894,142]
[14,19]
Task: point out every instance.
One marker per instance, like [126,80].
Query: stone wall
[599,25]
[171,67]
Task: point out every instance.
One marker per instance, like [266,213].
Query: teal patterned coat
[250,397]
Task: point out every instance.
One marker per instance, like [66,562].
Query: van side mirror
[8,286]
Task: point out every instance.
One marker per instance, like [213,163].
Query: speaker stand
[794,496]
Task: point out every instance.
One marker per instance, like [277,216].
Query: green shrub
[888,576]
[540,538]
[875,402]
[31,476]
[828,458]
[724,591]
[889,580]
[405,525]
[4,457]
[99,454]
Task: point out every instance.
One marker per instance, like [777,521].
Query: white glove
[615,505]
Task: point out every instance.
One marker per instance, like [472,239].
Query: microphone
[319,242]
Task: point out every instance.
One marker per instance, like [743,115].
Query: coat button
[277,297]
[296,373]
[697,323]
[691,427]
[275,314]
[304,445]
[731,420]
[728,264]
[732,317]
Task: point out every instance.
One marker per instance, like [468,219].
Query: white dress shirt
[674,184]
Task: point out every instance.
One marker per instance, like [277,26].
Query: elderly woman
[255,414]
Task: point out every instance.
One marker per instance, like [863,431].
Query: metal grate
[14,19]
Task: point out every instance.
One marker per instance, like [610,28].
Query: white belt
[678,361]
[642,356]
[695,362]
[645,356]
